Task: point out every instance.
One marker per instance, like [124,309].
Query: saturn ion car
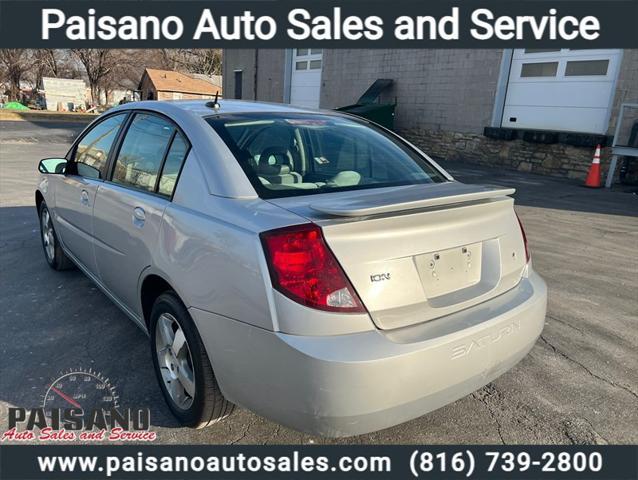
[310,266]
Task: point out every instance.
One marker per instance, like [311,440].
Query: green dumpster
[367,107]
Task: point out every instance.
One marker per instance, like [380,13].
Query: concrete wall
[239,59]
[445,99]
[627,87]
[270,78]
[627,92]
[451,90]
[270,81]
[436,89]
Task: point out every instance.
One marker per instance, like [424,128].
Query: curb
[38,116]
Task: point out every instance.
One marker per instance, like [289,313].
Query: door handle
[84,197]
[139,216]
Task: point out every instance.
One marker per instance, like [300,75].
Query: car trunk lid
[419,252]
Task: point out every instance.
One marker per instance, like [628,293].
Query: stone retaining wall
[553,159]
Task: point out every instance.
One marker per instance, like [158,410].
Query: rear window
[301,154]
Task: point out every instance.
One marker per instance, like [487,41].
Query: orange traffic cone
[593,177]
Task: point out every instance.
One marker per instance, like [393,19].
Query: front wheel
[182,366]
[55,256]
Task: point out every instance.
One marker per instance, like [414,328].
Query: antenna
[214,104]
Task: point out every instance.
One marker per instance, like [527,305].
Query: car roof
[203,108]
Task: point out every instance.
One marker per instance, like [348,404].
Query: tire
[53,253]
[207,405]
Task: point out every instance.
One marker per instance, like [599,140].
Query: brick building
[540,111]
[169,85]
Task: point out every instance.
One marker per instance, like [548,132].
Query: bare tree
[107,70]
[127,71]
[15,63]
[98,64]
[205,61]
[50,61]
[45,62]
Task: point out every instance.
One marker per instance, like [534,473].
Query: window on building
[544,69]
[239,74]
[586,67]
[541,50]
[140,157]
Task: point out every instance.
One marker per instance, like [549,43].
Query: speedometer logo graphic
[80,388]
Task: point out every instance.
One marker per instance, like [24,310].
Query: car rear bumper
[357,383]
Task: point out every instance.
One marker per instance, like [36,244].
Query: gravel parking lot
[578,385]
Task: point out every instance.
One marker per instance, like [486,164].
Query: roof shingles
[169,81]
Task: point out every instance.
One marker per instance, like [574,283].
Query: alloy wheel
[48,237]
[175,361]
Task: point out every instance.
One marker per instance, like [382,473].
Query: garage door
[569,90]
[305,84]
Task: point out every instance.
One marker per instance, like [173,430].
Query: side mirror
[52,165]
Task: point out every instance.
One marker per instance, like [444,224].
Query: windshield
[286,154]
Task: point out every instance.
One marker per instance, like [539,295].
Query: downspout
[287,74]
[256,69]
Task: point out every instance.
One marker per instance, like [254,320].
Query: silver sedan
[310,266]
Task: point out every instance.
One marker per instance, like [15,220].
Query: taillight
[528,256]
[303,268]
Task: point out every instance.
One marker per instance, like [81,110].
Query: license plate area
[447,271]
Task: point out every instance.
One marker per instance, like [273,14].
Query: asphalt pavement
[578,385]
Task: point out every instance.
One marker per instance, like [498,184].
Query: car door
[129,206]
[76,190]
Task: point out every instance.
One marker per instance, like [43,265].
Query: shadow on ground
[53,321]
[44,131]
[577,385]
[547,192]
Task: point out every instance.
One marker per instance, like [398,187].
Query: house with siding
[64,93]
[534,110]
[170,85]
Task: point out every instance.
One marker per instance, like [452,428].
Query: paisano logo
[79,404]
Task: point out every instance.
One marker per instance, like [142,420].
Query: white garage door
[305,84]
[568,90]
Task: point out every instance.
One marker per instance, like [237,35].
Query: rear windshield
[287,154]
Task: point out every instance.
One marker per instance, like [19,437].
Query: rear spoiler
[409,198]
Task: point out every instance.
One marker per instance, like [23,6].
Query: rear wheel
[182,367]
[53,252]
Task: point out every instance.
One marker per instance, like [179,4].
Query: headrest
[265,169]
[277,153]
[346,178]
